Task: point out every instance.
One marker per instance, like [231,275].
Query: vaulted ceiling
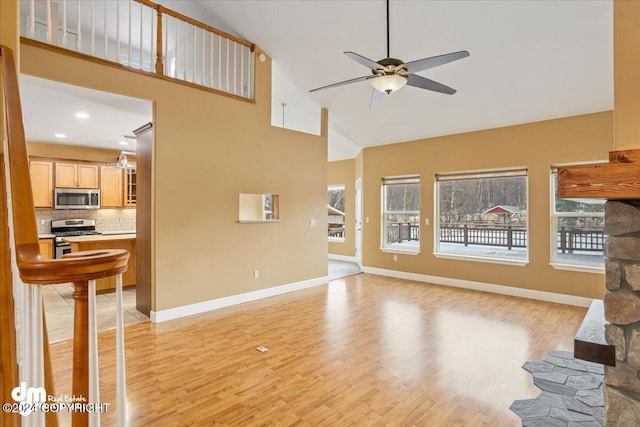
[530,60]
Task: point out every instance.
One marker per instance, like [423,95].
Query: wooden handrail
[78,268]
[162,9]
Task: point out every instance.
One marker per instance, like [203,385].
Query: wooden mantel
[617,180]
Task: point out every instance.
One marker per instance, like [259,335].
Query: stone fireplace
[618,325]
[622,311]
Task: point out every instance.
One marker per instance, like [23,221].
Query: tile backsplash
[106,219]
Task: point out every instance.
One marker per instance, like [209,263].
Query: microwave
[76,198]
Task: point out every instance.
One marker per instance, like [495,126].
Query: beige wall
[70,152]
[207,150]
[626,53]
[536,146]
[343,173]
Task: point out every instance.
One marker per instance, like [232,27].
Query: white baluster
[121,380]
[93,27]
[175,52]
[94,372]
[130,29]
[235,68]
[64,23]
[152,43]
[252,70]
[79,34]
[32,19]
[141,41]
[211,60]
[203,57]
[165,35]
[227,65]
[49,29]
[118,58]
[195,54]
[242,49]
[184,71]
[106,32]
[220,62]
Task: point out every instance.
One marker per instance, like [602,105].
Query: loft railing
[25,354]
[143,35]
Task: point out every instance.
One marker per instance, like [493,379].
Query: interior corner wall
[343,172]
[536,146]
[208,149]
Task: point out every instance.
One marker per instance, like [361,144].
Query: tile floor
[339,269]
[58,302]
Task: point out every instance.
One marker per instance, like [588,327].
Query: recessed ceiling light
[60,135]
[123,143]
[82,115]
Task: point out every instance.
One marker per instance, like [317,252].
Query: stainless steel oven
[62,228]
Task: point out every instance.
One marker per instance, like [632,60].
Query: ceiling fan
[390,74]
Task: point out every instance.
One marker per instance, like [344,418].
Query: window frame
[553,228]
[508,172]
[383,214]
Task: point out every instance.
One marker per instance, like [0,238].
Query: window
[335,213]
[259,208]
[482,216]
[401,214]
[577,232]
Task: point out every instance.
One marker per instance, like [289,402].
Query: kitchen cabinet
[41,173]
[111,187]
[46,248]
[76,175]
[130,187]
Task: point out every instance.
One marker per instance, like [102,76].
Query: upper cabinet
[111,187]
[42,183]
[130,187]
[76,175]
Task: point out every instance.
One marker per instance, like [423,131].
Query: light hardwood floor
[363,350]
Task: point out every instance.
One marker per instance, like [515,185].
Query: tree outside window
[336,213]
[401,214]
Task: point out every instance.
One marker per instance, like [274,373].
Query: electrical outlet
[43,222]
[395,257]
[256,274]
[426,221]
[366,220]
[312,222]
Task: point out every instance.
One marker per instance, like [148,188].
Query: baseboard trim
[342,258]
[214,304]
[484,287]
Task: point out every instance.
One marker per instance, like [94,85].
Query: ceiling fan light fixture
[388,83]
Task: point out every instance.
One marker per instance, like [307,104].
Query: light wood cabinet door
[87,176]
[46,248]
[76,175]
[111,187]
[42,183]
[66,175]
[130,187]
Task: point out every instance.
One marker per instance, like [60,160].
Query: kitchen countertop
[99,238]
[46,236]
[109,233]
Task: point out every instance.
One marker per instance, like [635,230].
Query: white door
[359,222]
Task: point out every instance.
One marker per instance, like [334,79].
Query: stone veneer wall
[622,311]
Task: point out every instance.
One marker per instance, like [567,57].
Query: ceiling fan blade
[423,83]
[376,97]
[346,82]
[373,65]
[434,61]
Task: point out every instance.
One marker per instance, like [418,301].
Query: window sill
[252,221]
[399,251]
[516,262]
[577,267]
[336,239]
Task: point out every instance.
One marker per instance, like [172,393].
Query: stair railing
[82,269]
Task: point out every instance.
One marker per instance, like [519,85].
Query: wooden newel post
[159,53]
[80,354]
